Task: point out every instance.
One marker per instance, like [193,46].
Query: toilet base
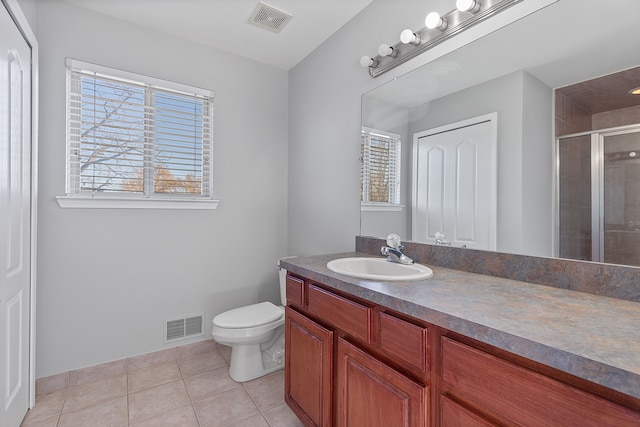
[251,361]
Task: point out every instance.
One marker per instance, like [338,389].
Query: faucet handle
[440,239]
[393,241]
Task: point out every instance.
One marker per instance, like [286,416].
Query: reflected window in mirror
[380,168]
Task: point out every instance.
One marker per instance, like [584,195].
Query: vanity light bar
[424,39]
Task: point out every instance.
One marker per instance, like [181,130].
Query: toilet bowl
[255,334]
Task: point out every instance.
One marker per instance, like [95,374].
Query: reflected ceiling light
[386,50]
[468,5]
[633,154]
[368,62]
[434,21]
[409,37]
[635,91]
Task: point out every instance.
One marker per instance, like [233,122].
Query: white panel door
[454,185]
[15,225]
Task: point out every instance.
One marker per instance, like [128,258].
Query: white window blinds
[133,135]
[380,167]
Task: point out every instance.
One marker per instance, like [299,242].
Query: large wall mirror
[509,81]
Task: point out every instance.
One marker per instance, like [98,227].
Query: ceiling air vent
[183,327]
[269,18]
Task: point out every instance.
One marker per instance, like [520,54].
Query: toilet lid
[249,316]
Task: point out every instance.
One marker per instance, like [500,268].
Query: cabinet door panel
[308,369]
[344,314]
[521,396]
[371,394]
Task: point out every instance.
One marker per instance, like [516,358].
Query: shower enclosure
[599,196]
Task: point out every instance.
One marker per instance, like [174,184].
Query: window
[380,170]
[136,141]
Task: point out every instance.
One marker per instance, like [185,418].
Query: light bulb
[435,21]
[367,61]
[468,5]
[409,37]
[386,50]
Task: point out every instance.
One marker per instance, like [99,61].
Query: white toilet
[255,334]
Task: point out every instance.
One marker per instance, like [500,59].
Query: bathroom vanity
[458,349]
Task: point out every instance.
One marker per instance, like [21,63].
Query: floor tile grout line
[255,402]
[126,366]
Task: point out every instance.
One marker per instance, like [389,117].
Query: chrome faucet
[393,251]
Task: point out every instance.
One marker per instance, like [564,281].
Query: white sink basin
[378,269]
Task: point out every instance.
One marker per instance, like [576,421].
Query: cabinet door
[308,369]
[518,396]
[454,415]
[371,394]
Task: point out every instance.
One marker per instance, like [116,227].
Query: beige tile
[155,375]
[225,408]
[46,406]
[156,400]
[182,417]
[91,393]
[47,422]
[190,350]
[112,413]
[282,416]
[201,363]
[254,421]
[150,359]
[92,373]
[209,383]
[267,391]
[225,352]
[52,383]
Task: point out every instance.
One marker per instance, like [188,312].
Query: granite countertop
[591,337]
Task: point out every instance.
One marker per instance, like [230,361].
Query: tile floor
[182,387]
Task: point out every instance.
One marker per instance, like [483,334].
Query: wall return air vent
[183,327]
[269,18]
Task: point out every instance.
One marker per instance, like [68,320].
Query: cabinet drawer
[295,291]
[520,396]
[351,317]
[404,340]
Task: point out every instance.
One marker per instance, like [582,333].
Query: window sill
[380,207]
[84,202]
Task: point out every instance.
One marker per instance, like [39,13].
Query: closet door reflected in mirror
[599,196]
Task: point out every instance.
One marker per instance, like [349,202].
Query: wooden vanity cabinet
[337,362]
[351,363]
[479,388]
[308,369]
[370,393]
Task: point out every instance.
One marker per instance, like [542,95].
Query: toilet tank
[283,286]
[283,283]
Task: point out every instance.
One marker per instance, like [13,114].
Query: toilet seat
[249,316]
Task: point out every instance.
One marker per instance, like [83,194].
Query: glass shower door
[620,204]
[599,196]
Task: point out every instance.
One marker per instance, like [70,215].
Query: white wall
[324,125]
[108,278]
